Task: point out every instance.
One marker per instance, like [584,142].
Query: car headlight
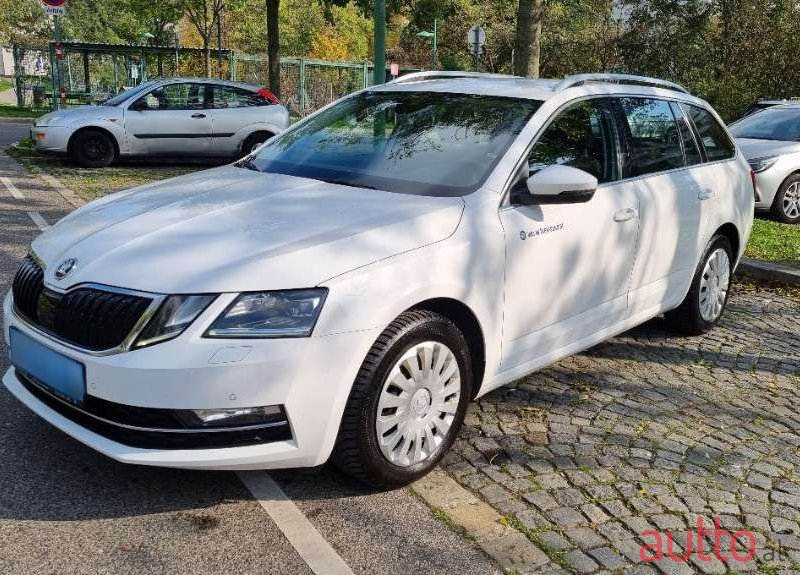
[762,164]
[172,318]
[270,314]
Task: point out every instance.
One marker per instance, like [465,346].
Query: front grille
[91,318]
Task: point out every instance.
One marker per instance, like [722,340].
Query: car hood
[80,113]
[754,149]
[230,229]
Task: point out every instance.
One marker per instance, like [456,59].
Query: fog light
[233,417]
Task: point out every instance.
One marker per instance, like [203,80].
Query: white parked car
[173,116]
[346,290]
[770,140]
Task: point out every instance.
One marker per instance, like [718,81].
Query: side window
[176,97]
[715,140]
[232,97]
[690,149]
[655,141]
[583,136]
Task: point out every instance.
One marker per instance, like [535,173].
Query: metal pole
[302,87]
[379,57]
[435,41]
[59,62]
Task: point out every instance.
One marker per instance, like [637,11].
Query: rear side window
[715,140]
[690,147]
[233,97]
[654,137]
[583,137]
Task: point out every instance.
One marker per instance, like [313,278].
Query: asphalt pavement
[66,509]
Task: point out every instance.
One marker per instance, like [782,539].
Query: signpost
[476,39]
[57,9]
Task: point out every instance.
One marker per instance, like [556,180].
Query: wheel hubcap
[418,403]
[714,285]
[791,201]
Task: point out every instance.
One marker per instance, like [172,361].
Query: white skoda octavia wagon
[344,291]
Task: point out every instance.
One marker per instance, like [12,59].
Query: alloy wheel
[418,403]
[791,201]
[714,285]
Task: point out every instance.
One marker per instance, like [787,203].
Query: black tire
[92,149]
[777,210]
[253,141]
[357,451]
[687,318]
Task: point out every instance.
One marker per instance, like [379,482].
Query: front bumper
[51,138]
[768,183]
[311,378]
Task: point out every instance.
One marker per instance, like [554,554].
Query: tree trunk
[273,47]
[536,39]
[207,48]
[528,38]
[523,37]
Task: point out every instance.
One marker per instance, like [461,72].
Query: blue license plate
[58,373]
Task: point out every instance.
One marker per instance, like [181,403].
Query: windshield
[423,143]
[123,96]
[772,124]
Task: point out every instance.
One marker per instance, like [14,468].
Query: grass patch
[6,84]
[774,241]
[7,111]
[90,184]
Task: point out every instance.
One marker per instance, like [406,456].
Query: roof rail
[581,79]
[445,75]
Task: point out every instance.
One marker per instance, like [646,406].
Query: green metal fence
[94,72]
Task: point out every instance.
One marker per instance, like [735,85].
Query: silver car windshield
[130,93]
[782,124]
[423,143]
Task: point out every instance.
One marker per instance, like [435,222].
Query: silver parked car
[180,116]
[770,140]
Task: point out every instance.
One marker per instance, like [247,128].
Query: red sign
[54,3]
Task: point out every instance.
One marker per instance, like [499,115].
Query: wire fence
[94,72]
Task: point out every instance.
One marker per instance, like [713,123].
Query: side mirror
[558,185]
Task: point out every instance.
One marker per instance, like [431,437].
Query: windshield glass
[123,96]
[423,143]
[771,124]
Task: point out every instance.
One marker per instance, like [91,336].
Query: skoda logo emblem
[66,268]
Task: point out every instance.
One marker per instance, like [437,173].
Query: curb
[512,550]
[70,196]
[5,120]
[769,271]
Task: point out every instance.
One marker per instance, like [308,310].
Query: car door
[234,109]
[568,265]
[170,119]
[669,202]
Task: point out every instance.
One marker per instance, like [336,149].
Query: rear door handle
[705,194]
[624,215]
[198,115]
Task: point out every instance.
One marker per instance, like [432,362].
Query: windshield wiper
[344,183]
[247,164]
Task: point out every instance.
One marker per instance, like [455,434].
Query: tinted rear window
[715,140]
[774,124]
[655,140]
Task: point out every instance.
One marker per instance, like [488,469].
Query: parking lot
[648,431]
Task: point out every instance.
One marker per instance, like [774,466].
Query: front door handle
[705,195]
[198,115]
[624,215]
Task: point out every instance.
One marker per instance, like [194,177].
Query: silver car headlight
[172,318]
[270,314]
[762,164]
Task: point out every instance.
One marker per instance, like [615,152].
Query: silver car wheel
[791,201]
[714,285]
[418,403]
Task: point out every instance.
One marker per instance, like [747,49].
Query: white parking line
[309,543]
[35,216]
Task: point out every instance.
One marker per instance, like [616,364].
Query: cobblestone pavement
[651,431]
